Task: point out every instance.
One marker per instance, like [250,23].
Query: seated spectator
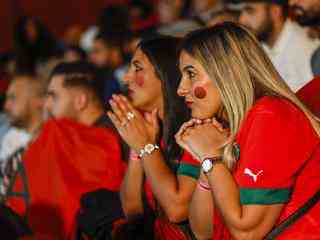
[307,13]
[224,15]
[34,45]
[113,20]
[257,143]
[160,176]
[282,39]
[205,8]
[107,55]
[76,152]
[172,18]
[74,54]
[24,108]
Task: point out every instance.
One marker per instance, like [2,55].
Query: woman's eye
[191,74]
[138,69]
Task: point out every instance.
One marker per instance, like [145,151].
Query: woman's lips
[189,104]
[130,92]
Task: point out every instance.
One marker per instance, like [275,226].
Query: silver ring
[130,116]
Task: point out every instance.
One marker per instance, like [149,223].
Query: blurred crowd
[74,77]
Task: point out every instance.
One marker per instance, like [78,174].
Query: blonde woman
[259,150]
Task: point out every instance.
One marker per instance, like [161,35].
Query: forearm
[173,198]
[244,222]
[131,189]
[201,214]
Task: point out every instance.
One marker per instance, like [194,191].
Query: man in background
[76,152]
[307,13]
[288,44]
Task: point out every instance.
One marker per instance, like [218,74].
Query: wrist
[212,154]
[209,163]
[147,149]
[204,185]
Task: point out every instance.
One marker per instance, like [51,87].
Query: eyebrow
[188,67]
[136,62]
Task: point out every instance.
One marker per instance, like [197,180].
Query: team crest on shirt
[254,176]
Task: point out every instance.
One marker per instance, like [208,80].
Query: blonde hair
[242,72]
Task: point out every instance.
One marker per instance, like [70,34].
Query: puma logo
[251,174]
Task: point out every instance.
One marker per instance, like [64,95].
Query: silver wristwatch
[208,164]
[148,149]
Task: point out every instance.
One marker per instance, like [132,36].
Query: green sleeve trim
[264,196]
[189,170]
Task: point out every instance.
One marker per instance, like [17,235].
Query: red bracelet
[204,185]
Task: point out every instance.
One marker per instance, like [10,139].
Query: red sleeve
[275,142]
[188,166]
[310,95]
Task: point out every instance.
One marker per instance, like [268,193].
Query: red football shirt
[279,163]
[310,95]
[165,230]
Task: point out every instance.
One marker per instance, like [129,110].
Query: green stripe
[264,196]
[189,170]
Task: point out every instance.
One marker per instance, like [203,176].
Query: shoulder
[274,116]
[274,107]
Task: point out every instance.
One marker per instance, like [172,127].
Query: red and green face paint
[200,92]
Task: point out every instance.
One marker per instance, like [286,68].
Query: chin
[201,115]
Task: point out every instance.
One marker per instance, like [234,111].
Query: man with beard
[24,108]
[307,13]
[76,153]
[287,44]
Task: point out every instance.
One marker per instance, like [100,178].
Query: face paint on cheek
[200,92]
[139,80]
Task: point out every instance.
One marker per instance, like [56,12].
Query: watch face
[149,148]
[207,165]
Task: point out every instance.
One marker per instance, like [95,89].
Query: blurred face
[199,91]
[60,102]
[31,31]
[200,6]
[169,10]
[99,54]
[18,104]
[144,87]
[224,17]
[256,16]
[71,56]
[306,12]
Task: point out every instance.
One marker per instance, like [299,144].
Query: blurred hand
[135,129]
[202,139]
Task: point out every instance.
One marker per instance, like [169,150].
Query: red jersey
[310,95]
[279,163]
[165,230]
[65,161]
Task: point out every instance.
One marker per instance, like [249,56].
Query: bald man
[24,102]
[24,108]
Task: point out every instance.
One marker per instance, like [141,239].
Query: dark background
[56,14]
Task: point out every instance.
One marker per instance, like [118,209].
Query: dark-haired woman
[170,173]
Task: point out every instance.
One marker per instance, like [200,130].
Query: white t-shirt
[13,141]
[292,55]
